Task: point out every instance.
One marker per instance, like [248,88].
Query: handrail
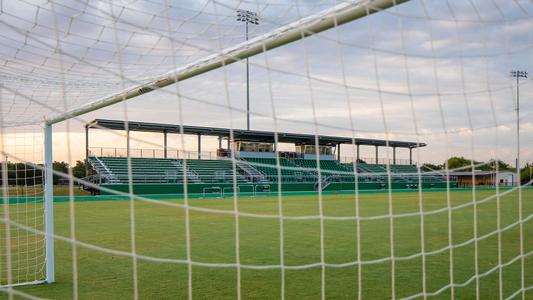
[247,167]
[150,153]
[187,154]
[105,168]
[195,176]
[381,161]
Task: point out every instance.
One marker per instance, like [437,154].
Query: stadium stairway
[192,176]
[250,172]
[104,174]
[331,170]
[215,171]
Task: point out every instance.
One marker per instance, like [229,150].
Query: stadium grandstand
[252,154]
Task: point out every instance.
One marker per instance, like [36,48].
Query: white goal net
[22,242]
[266,149]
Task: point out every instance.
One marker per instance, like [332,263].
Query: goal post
[49,204]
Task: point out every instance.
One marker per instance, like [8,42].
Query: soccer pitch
[160,232]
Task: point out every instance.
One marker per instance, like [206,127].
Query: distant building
[483,178]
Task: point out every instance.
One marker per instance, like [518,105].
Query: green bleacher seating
[325,165]
[160,170]
[328,168]
[371,168]
[289,171]
[144,170]
[404,169]
[214,171]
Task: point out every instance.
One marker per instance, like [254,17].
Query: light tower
[247,17]
[518,74]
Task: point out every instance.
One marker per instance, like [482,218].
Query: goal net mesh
[448,214]
[22,258]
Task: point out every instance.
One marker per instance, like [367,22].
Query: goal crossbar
[305,27]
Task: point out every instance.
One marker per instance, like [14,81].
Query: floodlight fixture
[247,16]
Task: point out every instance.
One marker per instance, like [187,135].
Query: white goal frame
[49,205]
[308,26]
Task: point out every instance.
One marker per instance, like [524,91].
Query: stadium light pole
[518,74]
[247,17]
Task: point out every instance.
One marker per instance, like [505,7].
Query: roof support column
[357,149]
[199,146]
[339,152]
[410,156]
[377,158]
[393,155]
[86,150]
[128,154]
[165,144]
[219,142]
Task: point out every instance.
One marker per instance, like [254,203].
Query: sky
[427,70]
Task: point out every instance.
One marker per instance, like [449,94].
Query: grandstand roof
[246,135]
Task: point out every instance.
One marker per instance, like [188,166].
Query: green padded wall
[155,189]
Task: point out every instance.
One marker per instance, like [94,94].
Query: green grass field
[160,232]
[37,190]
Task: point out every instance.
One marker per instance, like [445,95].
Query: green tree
[79,169]
[458,162]
[22,173]
[461,162]
[526,173]
[491,166]
[60,166]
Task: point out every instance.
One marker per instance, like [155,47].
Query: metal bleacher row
[160,170]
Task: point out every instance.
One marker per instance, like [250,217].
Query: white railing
[150,153]
[381,161]
[211,155]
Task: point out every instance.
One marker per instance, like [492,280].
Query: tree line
[31,174]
